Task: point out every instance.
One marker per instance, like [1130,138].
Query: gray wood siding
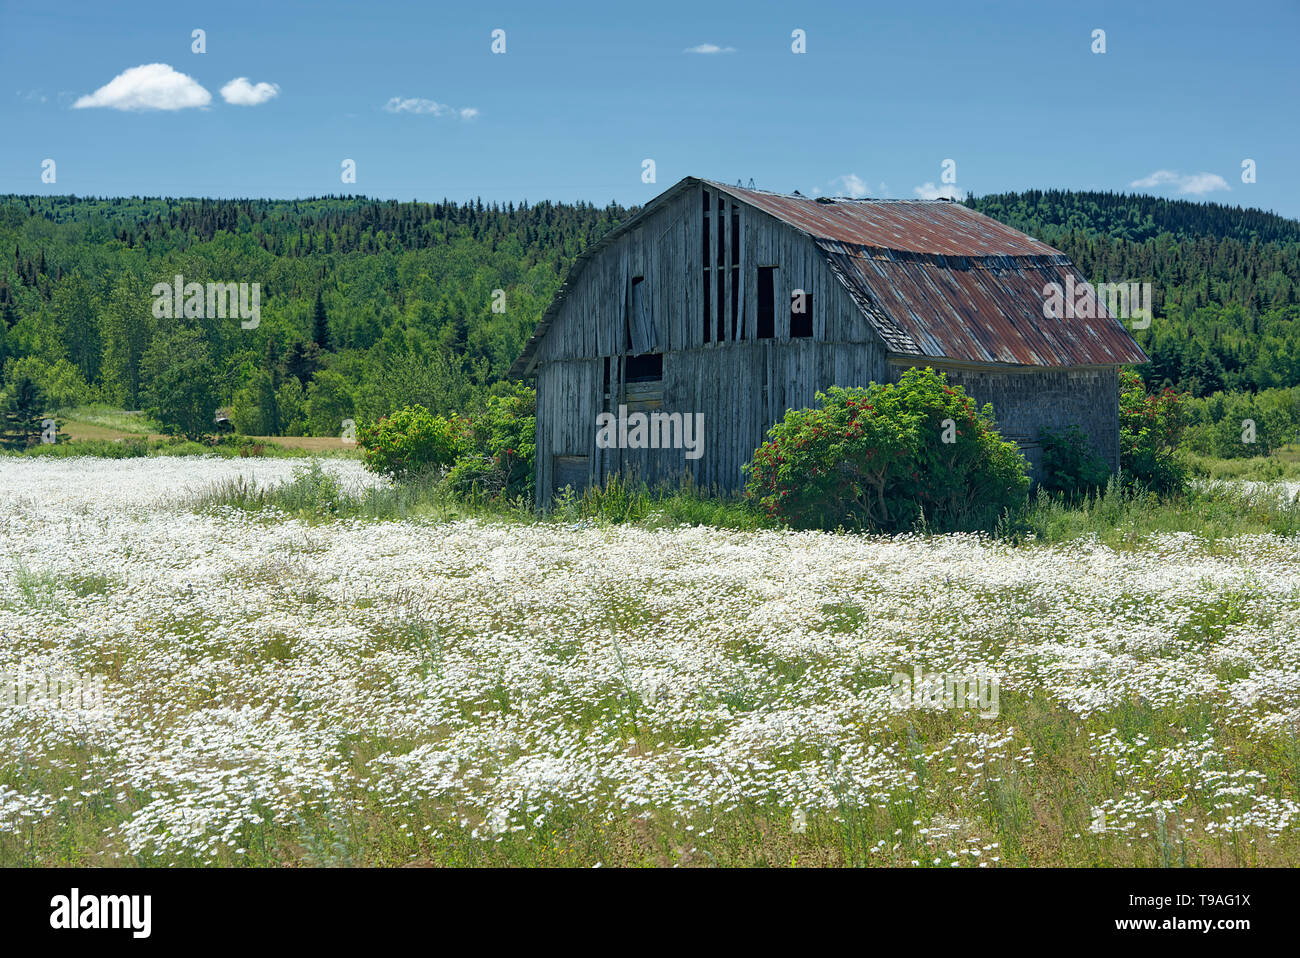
[1028,400]
[741,387]
[596,317]
[741,390]
[567,403]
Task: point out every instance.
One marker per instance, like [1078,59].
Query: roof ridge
[836,199]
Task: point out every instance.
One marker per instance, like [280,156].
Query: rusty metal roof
[933,277]
[937,279]
[940,227]
[986,310]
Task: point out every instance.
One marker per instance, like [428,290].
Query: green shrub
[498,461]
[886,457]
[60,382]
[411,440]
[291,401]
[1070,466]
[1242,425]
[1149,430]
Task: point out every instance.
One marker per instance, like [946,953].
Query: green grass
[110,417]
[136,447]
[314,496]
[1117,516]
[1284,463]
[1123,518]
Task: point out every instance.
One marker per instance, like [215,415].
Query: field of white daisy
[252,690]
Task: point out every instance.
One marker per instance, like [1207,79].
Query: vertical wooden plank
[727,240]
[713,258]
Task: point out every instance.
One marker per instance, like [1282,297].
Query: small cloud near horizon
[709,48]
[853,186]
[150,86]
[1194,183]
[422,106]
[928,191]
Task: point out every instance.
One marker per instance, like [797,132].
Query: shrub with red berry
[883,456]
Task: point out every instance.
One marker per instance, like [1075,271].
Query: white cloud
[709,48]
[242,93]
[420,105]
[152,86]
[852,186]
[1195,183]
[928,191]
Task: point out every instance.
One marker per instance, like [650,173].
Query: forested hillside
[1225,281]
[368,305]
[365,305]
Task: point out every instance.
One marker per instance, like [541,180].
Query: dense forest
[1225,281]
[364,305]
[368,305]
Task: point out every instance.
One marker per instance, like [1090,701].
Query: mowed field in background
[116,424]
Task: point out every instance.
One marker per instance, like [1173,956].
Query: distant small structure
[222,420]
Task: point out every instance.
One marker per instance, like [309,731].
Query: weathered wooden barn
[739,304]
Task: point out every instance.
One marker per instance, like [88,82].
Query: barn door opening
[570,471]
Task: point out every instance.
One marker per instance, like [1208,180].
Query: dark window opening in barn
[572,471]
[766,326]
[644,369]
[722,304]
[705,247]
[720,271]
[734,238]
[735,305]
[722,212]
[801,315]
[636,305]
[708,307]
[704,234]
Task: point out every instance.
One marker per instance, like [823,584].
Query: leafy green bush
[1242,425]
[409,441]
[886,457]
[1070,466]
[60,382]
[1149,430]
[498,461]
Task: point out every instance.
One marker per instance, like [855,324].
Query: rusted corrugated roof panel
[910,226]
[978,309]
[934,278]
[938,279]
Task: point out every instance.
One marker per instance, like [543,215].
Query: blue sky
[1011,92]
